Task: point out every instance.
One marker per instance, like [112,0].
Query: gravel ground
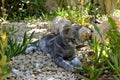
[36,66]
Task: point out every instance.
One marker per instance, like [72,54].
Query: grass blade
[97,29]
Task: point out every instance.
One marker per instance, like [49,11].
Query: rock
[58,24]
[104,27]
[84,34]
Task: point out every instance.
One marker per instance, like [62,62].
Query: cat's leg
[62,63]
[75,61]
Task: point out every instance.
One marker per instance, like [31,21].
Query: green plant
[113,48]
[76,15]
[105,56]
[93,66]
[14,48]
[9,47]
[5,66]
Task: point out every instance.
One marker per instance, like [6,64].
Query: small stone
[31,25]
[37,65]
[51,78]
[15,71]
[39,70]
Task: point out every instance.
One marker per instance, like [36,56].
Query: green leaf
[30,37]
[97,73]
[110,64]
[116,77]
[97,29]
[77,69]
[113,25]
[4,29]
[24,39]
[6,72]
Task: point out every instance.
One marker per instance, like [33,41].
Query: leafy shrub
[5,67]
[19,9]
[93,64]
[113,48]
[14,48]
[9,47]
[105,56]
[76,15]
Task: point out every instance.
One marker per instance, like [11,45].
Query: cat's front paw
[76,62]
[69,68]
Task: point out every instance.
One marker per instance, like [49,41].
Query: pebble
[15,71]
[51,78]
[37,65]
[31,25]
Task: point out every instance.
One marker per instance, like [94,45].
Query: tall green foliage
[9,47]
[105,56]
[114,48]
[14,48]
[5,67]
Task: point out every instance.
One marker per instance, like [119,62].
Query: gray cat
[60,47]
